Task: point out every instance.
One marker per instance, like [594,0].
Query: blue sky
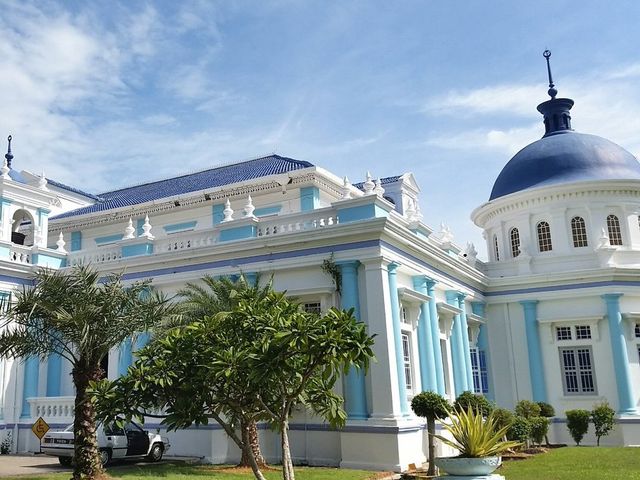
[106,94]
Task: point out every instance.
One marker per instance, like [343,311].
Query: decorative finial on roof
[129,231]
[552,90]
[9,155]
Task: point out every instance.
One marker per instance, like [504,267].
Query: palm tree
[215,296]
[80,316]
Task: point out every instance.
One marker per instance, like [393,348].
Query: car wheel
[155,455]
[105,456]
[65,461]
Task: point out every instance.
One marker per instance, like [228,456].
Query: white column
[385,404]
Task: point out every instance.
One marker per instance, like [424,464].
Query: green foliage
[7,443]
[578,424]
[604,419]
[527,409]
[331,268]
[546,410]
[468,400]
[539,429]
[503,417]
[520,430]
[430,405]
[474,436]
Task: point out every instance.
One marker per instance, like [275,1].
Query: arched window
[613,226]
[514,235]
[579,232]
[496,251]
[544,237]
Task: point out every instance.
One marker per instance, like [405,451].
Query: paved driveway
[28,464]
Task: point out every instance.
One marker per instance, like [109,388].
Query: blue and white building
[553,315]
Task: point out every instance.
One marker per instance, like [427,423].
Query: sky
[101,95]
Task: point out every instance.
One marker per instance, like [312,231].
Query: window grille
[496,250]
[579,232]
[406,358]
[514,235]
[544,237]
[479,371]
[312,307]
[583,332]
[637,330]
[563,333]
[577,371]
[405,316]
[615,234]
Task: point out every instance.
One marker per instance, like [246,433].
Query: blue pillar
[619,351]
[457,347]
[355,393]
[142,340]
[435,336]
[536,368]
[478,308]
[464,326]
[125,357]
[397,336]
[54,372]
[251,278]
[30,385]
[425,342]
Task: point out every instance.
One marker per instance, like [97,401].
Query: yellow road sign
[40,428]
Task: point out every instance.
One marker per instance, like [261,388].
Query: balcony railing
[52,409]
[19,254]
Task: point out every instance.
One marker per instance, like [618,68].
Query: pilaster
[54,371]
[435,336]
[31,374]
[397,336]
[536,367]
[425,342]
[125,356]
[464,326]
[457,346]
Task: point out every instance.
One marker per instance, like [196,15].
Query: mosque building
[553,315]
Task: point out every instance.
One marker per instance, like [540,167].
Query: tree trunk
[243,447]
[250,438]
[431,429]
[287,462]
[87,458]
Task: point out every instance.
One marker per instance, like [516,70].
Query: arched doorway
[22,228]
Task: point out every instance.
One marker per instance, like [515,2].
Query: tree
[539,429]
[604,419]
[80,317]
[578,424]
[431,406]
[206,300]
[527,409]
[476,402]
[256,362]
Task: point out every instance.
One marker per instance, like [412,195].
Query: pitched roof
[193,182]
[71,189]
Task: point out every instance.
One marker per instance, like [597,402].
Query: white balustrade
[298,222]
[52,409]
[19,254]
[187,241]
[101,255]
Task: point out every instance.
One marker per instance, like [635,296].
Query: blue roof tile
[383,181]
[193,182]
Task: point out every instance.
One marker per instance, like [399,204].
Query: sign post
[39,428]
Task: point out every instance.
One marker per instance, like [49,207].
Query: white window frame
[579,371]
[615,238]
[408,361]
[545,240]
[579,235]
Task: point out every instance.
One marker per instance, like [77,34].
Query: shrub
[503,417]
[5,446]
[520,430]
[539,429]
[527,409]
[546,410]
[478,403]
[577,423]
[430,404]
[604,419]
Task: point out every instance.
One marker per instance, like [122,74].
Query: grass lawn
[214,472]
[577,463]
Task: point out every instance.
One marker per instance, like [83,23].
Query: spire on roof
[9,155]
[557,118]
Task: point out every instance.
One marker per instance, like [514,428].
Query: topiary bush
[604,419]
[539,429]
[432,406]
[503,417]
[578,423]
[520,430]
[546,410]
[478,403]
[527,409]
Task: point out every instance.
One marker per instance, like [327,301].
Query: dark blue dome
[565,157]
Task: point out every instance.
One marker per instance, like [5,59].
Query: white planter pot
[468,466]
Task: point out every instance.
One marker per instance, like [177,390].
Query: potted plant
[479,441]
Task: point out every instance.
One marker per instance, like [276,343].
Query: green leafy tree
[503,417]
[80,317]
[527,409]
[578,423]
[257,362]
[604,419]
[520,430]
[539,429]
[432,406]
[479,403]
[546,410]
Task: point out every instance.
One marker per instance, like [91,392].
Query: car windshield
[69,428]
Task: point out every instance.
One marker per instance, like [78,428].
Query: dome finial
[552,90]
[9,155]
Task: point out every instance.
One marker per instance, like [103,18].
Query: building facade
[553,315]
